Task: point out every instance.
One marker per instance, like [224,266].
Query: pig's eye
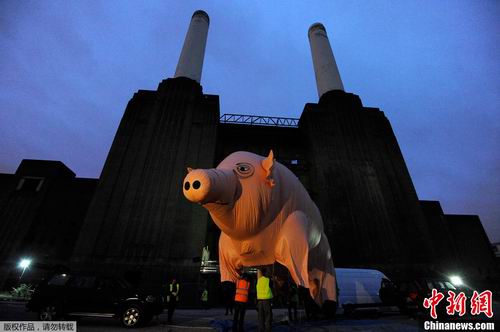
[244,170]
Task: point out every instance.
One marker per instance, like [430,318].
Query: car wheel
[48,312]
[132,316]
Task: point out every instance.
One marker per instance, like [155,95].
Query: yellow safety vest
[172,291]
[263,290]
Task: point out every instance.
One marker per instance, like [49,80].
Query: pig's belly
[258,250]
[257,259]
[255,252]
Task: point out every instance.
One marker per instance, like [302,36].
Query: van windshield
[59,279]
[122,283]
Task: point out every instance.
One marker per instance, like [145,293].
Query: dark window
[58,280]
[29,183]
[83,282]
[409,287]
[123,283]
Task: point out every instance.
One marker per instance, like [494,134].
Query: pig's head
[237,193]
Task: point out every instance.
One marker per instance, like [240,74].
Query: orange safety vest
[242,287]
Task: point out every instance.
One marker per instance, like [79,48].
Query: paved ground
[214,320]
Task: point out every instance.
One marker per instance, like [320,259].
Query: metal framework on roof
[212,267]
[259,120]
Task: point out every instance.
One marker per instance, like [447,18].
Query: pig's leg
[321,269]
[228,260]
[292,248]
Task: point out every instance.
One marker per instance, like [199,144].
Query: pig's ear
[268,166]
[189,169]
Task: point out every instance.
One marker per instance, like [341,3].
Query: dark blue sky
[68,69]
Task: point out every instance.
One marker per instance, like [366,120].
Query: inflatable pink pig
[266,216]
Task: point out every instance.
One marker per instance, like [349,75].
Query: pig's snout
[210,186]
[197,186]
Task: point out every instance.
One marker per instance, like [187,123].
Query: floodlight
[456,280]
[25,263]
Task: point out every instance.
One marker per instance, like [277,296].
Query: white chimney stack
[191,59]
[325,67]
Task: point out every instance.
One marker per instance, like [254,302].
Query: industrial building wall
[477,263]
[362,187]
[41,213]
[461,247]
[284,141]
[138,223]
[445,253]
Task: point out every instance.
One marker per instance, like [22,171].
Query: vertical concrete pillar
[325,67]
[191,59]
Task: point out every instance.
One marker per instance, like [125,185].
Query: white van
[360,290]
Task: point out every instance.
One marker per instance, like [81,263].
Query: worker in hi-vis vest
[204,299]
[240,301]
[172,297]
[264,296]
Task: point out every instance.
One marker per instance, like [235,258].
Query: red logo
[482,303]
[479,303]
[433,301]
[456,303]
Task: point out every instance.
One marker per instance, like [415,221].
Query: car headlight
[456,281]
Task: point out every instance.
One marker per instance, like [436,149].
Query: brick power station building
[134,220]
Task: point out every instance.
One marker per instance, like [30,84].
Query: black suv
[75,295]
[412,295]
